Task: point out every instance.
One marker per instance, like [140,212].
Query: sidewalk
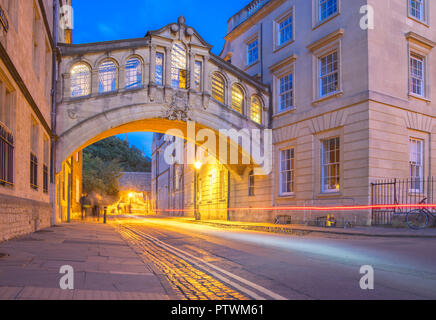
[302,229]
[105,267]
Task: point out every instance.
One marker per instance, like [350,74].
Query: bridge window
[237,98]
[218,87]
[178,69]
[197,75]
[256,110]
[107,77]
[133,73]
[80,80]
[159,68]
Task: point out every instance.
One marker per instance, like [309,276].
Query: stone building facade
[26,51]
[352,101]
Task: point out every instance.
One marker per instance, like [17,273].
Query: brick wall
[20,216]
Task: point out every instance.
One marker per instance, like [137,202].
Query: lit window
[256,110]
[237,99]
[417,75]
[416,164]
[107,77]
[416,8]
[286,92]
[251,183]
[133,73]
[159,68]
[178,67]
[329,74]
[253,52]
[330,165]
[197,75]
[327,8]
[287,171]
[218,87]
[285,30]
[80,80]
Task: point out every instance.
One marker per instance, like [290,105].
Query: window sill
[286,196]
[320,23]
[251,65]
[423,22]
[415,96]
[284,45]
[336,94]
[284,112]
[333,193]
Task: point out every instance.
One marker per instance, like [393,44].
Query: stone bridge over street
[154,83]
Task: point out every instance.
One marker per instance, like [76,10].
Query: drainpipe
[53,110]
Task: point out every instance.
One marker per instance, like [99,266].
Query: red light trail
[315,208]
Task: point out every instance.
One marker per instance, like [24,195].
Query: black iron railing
[33,171]
[6,156]
[398,192]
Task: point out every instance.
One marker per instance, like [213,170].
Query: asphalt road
[207,262]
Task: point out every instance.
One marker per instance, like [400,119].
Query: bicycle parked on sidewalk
[418,219]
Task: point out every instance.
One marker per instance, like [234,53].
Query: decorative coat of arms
[179,108]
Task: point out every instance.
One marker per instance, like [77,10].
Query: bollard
[105,215]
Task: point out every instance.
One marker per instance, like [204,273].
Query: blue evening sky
[97,20]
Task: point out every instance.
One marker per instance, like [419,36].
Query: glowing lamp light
[131,195]
[198,165]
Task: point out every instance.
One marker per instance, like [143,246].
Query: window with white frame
[198,68]
[159,68]
[416,9]
[178,66]
[80,79]
[218,87]
[287,171]
[285,30]
[133,73]
[107,77]
[237,99]
[286,92]
[330,165]
[417,75]
[252,51]
[327,8]
[328,74]
[416,164]
[256,110]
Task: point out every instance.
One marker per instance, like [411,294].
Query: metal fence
[399,192]
[6,157]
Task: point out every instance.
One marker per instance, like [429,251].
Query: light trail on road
[261,265]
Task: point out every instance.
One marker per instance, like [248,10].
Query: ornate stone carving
[179,108]
[72,112]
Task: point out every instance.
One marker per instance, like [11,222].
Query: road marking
[189,257]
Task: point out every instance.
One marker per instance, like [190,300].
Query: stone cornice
[326,40]
[283,63]
[420,39]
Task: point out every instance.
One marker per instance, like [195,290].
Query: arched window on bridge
[80,80]
[178,66]
[133,73]
[107,74]
[237,98]
[256,110]
[218,87]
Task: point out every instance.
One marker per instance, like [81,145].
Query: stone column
[191,71]
[167,80]
[67,86]
[94,82]
[152,73]
[121,77]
